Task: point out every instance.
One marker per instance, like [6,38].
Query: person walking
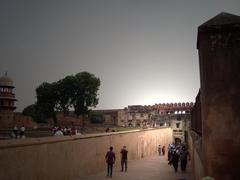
[22,132]
[124,158]
[184,154]
[159,150]
[175,160]
[110,160]
[163,150]
[15,132]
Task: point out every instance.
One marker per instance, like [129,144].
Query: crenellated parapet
[176,105]
[175,108]
[163,108]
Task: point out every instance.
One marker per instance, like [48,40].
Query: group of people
[58,131]
[18,132]
[178,152]
[110,160]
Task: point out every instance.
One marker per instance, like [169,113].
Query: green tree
[29,110]
[65,93]
[47,99]
[78,92]
[86,88]
[35,112]
[96,117]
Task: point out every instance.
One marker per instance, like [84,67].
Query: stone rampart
[195,147]
[70,157]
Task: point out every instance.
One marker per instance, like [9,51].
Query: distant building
[7,106]
[7,100]
[111,116]
[175,115]
[180,124]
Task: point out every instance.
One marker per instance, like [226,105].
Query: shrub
[97,118]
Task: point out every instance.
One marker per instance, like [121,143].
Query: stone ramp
[152,168]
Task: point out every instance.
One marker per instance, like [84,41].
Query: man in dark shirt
[175,160]
[124,158]
[110,160]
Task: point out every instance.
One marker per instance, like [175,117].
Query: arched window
[177,125]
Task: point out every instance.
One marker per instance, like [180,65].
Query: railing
[5,94]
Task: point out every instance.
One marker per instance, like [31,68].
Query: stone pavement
[152,168]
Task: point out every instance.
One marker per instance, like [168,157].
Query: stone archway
[177,140]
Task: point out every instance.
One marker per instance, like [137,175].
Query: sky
[143,51]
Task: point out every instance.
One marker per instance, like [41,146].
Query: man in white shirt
[58,132]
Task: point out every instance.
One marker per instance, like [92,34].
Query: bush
[97,118]
[35,112]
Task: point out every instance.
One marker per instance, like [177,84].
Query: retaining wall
[70,157]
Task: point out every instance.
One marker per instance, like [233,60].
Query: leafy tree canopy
[86,89]
[35,112]
[76,91]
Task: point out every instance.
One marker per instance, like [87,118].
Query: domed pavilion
[7,100]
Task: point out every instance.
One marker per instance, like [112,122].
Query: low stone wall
[70,157]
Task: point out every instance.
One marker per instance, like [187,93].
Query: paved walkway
[153,168]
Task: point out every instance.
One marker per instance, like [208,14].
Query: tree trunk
[55,119]
[83,121]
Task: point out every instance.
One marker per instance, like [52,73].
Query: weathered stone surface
[70,157]
[219,59]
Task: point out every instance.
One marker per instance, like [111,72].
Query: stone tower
[219,59]
[7,100]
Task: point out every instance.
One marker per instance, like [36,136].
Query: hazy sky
[144,51]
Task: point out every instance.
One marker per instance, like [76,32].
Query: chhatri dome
[7,100]
[7,96]
[6,81]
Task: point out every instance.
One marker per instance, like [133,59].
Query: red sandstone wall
[27,121]
[68,121]
[219,60]
[19,120]
[70,157]
[196,118]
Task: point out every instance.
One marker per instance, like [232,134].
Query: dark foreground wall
[219,59]
[73,156]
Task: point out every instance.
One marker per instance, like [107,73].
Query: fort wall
[217,142]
